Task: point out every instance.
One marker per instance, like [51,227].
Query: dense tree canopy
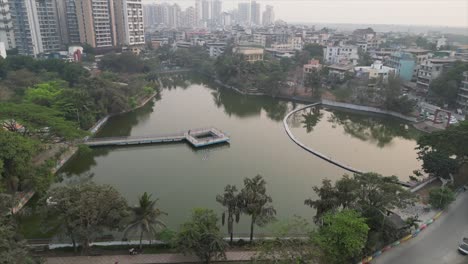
[361,192]
[87,210]
[257,203]
[38,122]
[440,198]
[342,237]
[201,236]
[444,89]
[16,167]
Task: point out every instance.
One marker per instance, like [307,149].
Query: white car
[463,247]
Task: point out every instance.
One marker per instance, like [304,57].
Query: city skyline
[450,13]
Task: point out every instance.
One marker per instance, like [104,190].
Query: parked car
[463,247]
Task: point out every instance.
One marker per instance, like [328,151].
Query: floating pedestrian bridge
[198,138]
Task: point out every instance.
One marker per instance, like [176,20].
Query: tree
[313,80]
[440,164]
[13,250]
[87,210]
[443,152]
[231,201]
[38,121]
[124,63]
[365,193]
[445,87]
[16,168]
[327,201]
[44,94]
[256,202]
[201,236]
[342,237]
[146,218]
[440,198]
[364,58]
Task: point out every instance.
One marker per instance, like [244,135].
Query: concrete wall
[367,109]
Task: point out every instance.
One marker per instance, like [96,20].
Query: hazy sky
[414,12]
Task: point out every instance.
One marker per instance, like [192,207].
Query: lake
[184,178]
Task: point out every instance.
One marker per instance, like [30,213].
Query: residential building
[429,70]
[376,71]
[341,54]
[340,70]
[243,16]
[48,25]
[6,26]
[250,54]
[72,35]
[295,42]
[462,100]
[3,50]
[35,26]
[216,10]
[205,10]
[96,22]
[129,22]
[226,19]
[441,42]
[268,17]
[174,16]
[313,65]
[255,13]
[189,18]
[404,64]
[216,49]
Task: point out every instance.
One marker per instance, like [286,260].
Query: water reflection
[374,129]
[122,126]
[311,118]
[249,106]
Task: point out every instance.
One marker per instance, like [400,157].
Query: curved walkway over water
[316,153]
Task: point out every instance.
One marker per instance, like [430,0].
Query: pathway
[144,258]
[438,243]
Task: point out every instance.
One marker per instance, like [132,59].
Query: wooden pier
[196,137]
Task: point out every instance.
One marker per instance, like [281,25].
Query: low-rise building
[376,71]
[462,99]
[250,54]
[404,64]
[429,70]
[340,70]
[341,54]
[216,49]
[313,65]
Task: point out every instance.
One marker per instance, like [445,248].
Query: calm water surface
[184,178]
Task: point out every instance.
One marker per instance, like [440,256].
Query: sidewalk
[144,258]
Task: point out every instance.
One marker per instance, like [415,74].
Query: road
[438,243]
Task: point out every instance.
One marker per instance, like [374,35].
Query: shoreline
[325,102]
[72,149]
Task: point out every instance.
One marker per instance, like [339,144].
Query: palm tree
[230,200]
[146,217]
[256,203]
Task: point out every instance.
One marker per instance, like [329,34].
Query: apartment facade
[404,64]
[129,22]
[429,70]
[96,22]
[6,25]
[462,100]
[26,27]
[341,54]
[268,16]
[255,13]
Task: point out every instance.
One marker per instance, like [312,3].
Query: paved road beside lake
[438,243]
[144,258]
